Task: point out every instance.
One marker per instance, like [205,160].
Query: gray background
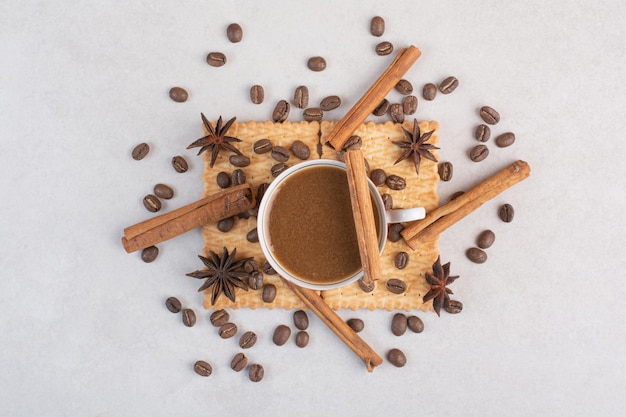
[84,330]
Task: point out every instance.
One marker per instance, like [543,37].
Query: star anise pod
[216,139]
[223,274]
[416,146]
[439,292]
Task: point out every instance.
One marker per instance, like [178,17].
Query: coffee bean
[238,177]
[234,32]
[189,317]
[356,324]
[268,269]
[384,48]
[330,103]
[178,94]
[316,63]
[173,304]
[256,372]
[448,85]
[377,26]
[281,111]
[396,111]
[216,59]
[482,133]
[396,286]
[203,368]
[369,287]
[393,232]
[149,254]
[313,114]
[395,182]
[262,146]
[415,324]
[353,142]
[479,153]
[506,213]
[409,105]
[398,324]
[505,139]
[238,362]
[281,335]
[485,239]
[445,171]
[152,203]
[429,92]
[140,151]
[489,115]
[255,280]
[401,260]
[252,236]
[180,164]
[163,191]
[247,340]
[225,225]
[404,87]
[227,330]
[387,201]
[239,160]
[378,177]
[280,153]
[278,169]
[269,293]
[219,317]
[454,307]
[382,108]
[302,339]
[396,357]
[476,255]
[250,266]
[257,94]
[300,150]
[300,320]
[301,97]
[223,180]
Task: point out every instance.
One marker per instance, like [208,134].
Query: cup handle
[405,215]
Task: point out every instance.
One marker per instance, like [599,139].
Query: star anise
[416,146]
[439,292]
[222,274]
[216,139]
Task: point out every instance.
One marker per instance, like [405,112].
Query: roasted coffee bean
[250,266]
[456,195]
[173,304]
[255,280]
[223,180]
[448,85]
[378,177]
[239,160]
[216,59]
[377,26]
[300,150]
[281,335]
[489,115]
[247,340]
[396,112]
[225,225]
[396,286]
[253,236]
[203,368]
[238,362]
[393,232]
[189,317]
[382,108]
[257,94]
[178,94]
[384,48]
[238,177]
[316,63]
[152,203]
[429,92]
[268,269]
[300,320]
[415,324]
[445,171]
[278,169]
[313,114]
[330,103]
[227,330]
[396,357]
[262,146]
[367,288]
[256,372]
[401,260]
[409,105]
[269,293]
[505,139]
[482,133]
[454,307]
[476,255]
[163,191]
[140,151]
[180,164]
[281,111]
[485,239]
[395,182]
[149,254]
[301,97]
[506,213]
[280,153]
[479,153]
[353,142]
[234,32]
[302,339]
[219,317]
[404,87]
[356,324]
[398,324]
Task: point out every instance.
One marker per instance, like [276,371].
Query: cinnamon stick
[317,304]
[445,216]
[213,208]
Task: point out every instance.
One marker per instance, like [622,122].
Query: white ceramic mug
[385,218]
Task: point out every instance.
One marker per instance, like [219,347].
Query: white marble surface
[84,329]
